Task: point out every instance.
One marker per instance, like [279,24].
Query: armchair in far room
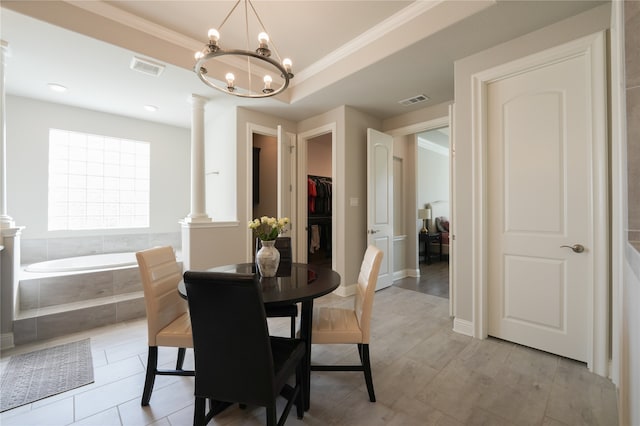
[442,226]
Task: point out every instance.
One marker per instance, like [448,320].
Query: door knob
[577,248]
[373,231]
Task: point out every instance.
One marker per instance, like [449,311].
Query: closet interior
[319,191]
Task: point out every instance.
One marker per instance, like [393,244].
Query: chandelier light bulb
[198,55]
[267,84]
[263,38]
[230,80]
[214,35]
[287,64]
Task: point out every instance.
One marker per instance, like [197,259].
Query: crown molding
[370,36]
[434,147]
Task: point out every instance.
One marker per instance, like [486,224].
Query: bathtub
[85,263]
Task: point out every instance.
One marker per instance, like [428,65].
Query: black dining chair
[283,244]
[236,361]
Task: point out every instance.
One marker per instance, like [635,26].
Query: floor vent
[146,66]
[414,100]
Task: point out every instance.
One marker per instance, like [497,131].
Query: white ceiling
[366,54]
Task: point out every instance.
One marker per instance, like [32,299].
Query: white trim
[592,47]
[115,14]
[303,214]
[619,192]
[433,147]
[372,35]
[209,224]
[463,327]
[419,127]
[453,258]
[345,290]
[261,130]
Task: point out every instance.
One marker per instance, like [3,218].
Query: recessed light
[151,108]
[57,87]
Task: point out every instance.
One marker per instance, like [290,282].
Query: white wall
[433,181]
[221,163]
[27,135]
[228,148]
[319,156]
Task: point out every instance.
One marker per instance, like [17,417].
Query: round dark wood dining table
[293,283]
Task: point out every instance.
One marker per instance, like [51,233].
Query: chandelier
[250,64]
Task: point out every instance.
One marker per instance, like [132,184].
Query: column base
[7,222]
[197,219]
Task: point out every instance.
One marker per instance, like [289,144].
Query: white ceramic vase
[268,259]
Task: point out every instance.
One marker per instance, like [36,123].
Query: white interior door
[539,175]
[287,181]
[380,201]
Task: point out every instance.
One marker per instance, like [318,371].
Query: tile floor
[423,372]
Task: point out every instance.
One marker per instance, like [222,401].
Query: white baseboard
[345,290]
[6,341]
[398,275]
[463,327]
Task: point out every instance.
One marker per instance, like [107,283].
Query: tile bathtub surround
[42,249]
[424,374]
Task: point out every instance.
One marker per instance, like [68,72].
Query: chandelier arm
[246,27]
[224,21]
[264,28]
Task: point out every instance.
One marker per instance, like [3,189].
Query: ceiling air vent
[414,100]
[146,66]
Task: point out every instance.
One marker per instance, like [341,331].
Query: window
[97,182]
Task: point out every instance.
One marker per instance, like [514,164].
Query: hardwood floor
[423,373]
[434,279]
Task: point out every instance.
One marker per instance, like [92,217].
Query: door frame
[593,48]
[285,143]
[302,188]
[413,129]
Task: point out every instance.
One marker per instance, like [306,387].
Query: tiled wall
[632,69]
[41,249]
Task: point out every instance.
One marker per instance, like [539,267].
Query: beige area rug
[39,374]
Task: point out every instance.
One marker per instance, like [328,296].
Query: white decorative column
[197,219]
[198,206]
[9,233]
[5,220]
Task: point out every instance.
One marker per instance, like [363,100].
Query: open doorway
[265,175]
[319,200]
[433,192]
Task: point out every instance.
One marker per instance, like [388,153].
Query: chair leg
[366,364]
[300,398]
[152,364]
[272,418]
[199,412]
[293,327]
[180,361]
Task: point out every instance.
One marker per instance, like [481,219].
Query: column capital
[198,100]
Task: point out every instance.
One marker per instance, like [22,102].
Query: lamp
[260,59]
[425,215]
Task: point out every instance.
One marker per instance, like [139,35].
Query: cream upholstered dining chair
[168,321]
[340,326]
